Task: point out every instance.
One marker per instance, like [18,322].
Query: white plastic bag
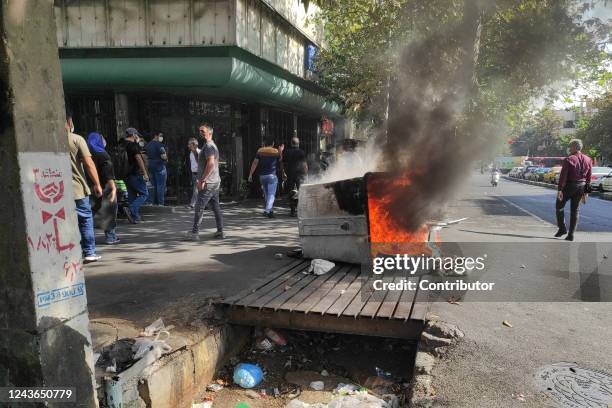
[358,400]
[320,266]
[160,347]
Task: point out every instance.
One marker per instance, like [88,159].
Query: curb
[434,343]
[174,380]
[603,196]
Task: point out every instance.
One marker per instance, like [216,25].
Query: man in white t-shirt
[194,151]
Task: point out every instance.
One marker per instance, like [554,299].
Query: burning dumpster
[354,219]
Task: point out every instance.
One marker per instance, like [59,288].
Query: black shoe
[270,214]
[561,232]
[569,238]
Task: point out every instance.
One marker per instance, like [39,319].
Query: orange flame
[386,234]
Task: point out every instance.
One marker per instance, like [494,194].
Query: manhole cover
[575,387]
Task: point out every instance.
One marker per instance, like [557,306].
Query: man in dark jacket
[574,183]
[294,160]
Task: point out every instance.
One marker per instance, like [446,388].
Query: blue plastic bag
[247,375]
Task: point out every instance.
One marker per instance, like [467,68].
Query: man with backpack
[137,176]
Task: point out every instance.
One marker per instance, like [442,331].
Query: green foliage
[525,45]
[597,134]
[540,135]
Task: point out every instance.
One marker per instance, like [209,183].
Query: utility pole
[44,336]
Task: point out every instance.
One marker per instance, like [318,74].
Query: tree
[524,45]
[597,133]
[542,137]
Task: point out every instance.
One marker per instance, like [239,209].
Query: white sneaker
[91,258]
[190,236]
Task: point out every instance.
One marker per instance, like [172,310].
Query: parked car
[516,171]
[606,183]
[550,177]
[598,175]
[538,174]
[527,171]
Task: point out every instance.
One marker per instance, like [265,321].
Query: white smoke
[348,165]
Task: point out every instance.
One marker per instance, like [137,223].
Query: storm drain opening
[312,369]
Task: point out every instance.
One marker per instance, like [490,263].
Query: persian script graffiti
[49,188]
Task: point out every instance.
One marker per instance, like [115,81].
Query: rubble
[306,369]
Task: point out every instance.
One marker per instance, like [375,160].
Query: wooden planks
[340,295]
[243,294]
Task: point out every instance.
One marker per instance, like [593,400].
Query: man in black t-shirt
[296,167]
[138,178]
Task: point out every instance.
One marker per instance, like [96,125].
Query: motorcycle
[495,178]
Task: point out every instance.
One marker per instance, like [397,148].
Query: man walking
[157,159]
[138,177]
[81,162]
[208,182]
[294,160]
[192,165]
[574,183]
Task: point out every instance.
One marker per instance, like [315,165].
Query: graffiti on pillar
[52,234]
[71,269]
[49,189]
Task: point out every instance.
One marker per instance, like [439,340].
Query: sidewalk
[495,365]
[155,273]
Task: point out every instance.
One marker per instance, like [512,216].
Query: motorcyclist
[495,176]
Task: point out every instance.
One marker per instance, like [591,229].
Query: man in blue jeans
[157,158]
[138,177]
[81,161]
[268,158]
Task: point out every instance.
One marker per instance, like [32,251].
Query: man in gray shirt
[208,183]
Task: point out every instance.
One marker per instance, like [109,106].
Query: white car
[606,183]
[515,172]
[598,175]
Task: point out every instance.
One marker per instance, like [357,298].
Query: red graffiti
[45,242]
[71,269]
[52,192]
[51,238]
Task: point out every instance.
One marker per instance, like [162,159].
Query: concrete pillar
[121,114]
[44,337]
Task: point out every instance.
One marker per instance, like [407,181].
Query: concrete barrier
[176,379]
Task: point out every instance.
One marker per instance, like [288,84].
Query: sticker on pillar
[52,233]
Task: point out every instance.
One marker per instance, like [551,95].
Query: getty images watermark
[423,264]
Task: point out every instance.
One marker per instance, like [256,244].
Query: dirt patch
[381,365]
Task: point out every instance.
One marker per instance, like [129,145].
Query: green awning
[222,76]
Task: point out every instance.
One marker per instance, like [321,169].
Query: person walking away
[192,164]
[157,159]
[294,161]
[138,176]
[81,163]
[574,184]
[268,159]
[208,183]
[105,207]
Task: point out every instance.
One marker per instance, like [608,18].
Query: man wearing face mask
[138,176]
[574,183]
[157,158]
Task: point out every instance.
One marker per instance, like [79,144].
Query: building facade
[169,65]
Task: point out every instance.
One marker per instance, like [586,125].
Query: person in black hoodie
[105,207]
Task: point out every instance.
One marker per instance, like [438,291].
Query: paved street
[495,363]
[154,272]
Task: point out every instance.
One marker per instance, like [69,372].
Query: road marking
[522,209]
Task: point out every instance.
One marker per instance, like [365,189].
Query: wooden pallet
[342,300]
